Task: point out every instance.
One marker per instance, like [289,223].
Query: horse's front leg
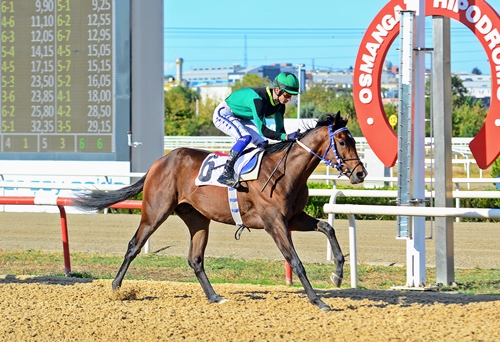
[279,231]
[305,223]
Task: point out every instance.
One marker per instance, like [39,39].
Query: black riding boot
[227,177]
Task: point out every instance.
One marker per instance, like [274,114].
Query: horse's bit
[340,161]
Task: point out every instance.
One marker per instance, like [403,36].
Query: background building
[216,82]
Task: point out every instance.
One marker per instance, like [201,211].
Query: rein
[276,168]
[340,161]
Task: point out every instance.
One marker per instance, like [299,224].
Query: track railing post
[65,240]
[353,251]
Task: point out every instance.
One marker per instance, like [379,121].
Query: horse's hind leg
[338,257]
[304,222]
[148,225]
[198,228]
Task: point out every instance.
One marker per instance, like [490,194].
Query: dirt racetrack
[57,309]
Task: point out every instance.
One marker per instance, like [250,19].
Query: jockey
[234,117]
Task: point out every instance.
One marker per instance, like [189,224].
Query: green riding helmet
[287,81]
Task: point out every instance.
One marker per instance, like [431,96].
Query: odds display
[57,76]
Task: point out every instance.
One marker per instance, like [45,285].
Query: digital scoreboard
[59,80]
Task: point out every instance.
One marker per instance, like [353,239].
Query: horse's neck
[306,162]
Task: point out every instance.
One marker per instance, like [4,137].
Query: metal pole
[416,248]
[405,119]
[411,179]
[147,82]
[353,251]
[65,240]
[299,77]
[441,107]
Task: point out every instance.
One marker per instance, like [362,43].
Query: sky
[321,34]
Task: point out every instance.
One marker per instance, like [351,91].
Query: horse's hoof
[218,300]
[222,300]
[321,305]
[115,285]
[336,280]
[326,308]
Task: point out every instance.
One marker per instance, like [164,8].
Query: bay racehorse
[274,202]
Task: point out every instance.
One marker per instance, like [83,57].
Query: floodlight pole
[299,77]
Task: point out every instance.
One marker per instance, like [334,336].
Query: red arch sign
[480,18]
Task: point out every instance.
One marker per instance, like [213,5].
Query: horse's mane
[324,120]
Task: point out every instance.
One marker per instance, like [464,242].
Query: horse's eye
[341,143]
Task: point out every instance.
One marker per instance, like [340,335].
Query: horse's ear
[338,118]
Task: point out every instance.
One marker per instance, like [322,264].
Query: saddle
[246,168]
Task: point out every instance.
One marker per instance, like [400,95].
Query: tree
[317,98]
[180,111]
[205,124]
[458,91]
[251,81]
[476,71]
[308,111]
[186,114]
[391,109]
[468,119]
[344,103]
[468,115]
[495,168]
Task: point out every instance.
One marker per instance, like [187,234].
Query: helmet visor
[289,89]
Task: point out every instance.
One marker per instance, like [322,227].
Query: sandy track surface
[55,309]
[64,309]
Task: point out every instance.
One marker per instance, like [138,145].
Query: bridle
[340,162]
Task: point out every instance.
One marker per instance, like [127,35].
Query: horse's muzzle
[358,174]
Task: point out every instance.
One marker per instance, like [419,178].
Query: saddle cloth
[247,167]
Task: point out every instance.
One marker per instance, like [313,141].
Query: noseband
[340,162]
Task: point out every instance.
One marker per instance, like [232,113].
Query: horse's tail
[97,200]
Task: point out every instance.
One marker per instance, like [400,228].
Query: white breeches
[227,122]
